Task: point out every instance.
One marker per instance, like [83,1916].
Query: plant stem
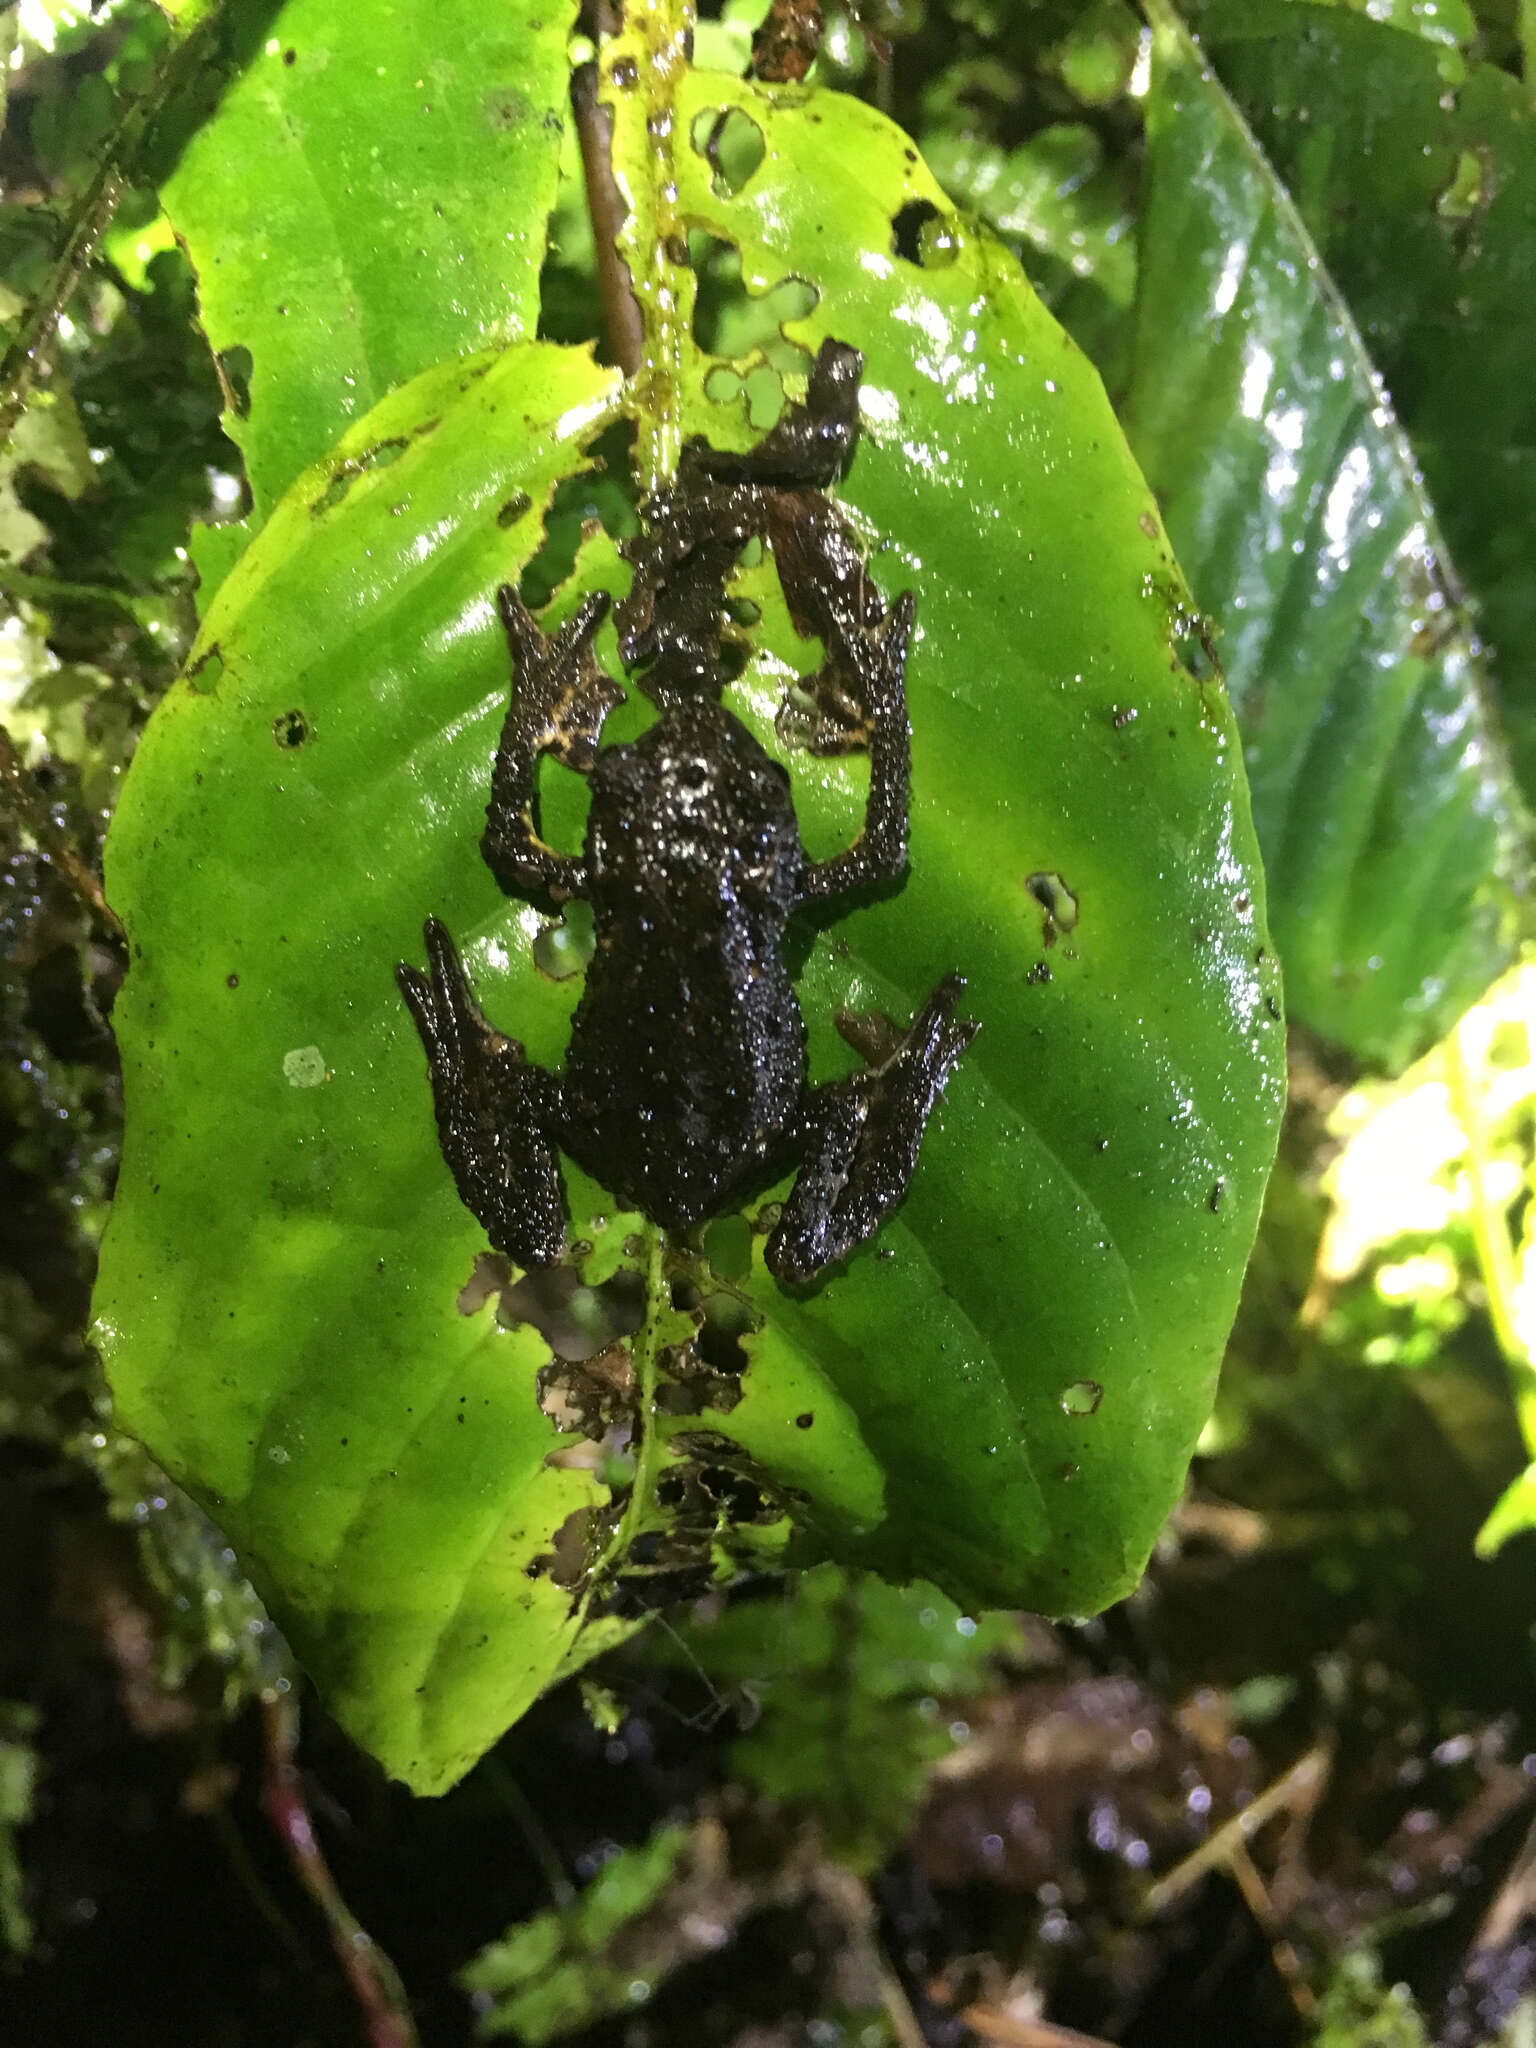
[647,1442]
[639,71]
[369,1971]
[1490,1237]
[605,204]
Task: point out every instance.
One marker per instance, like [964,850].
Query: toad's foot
[496,1111]
[861,1142]
[560,697]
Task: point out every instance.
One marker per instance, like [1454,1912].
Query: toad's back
[686,1065]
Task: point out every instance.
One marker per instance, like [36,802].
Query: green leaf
[1002,1392]
[850,1676]
[1081,1221]
[1068,212]
[276,1307]
[1426,215]
[560,1971]
[369,197]
[1381,798]
[1512,1513]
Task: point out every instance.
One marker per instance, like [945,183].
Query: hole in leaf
[207,672]
[589,1394]
[234,372]
[732,144]
[728,320]
[921,234]
[575,1321]
[379,456]
[603,493]
[1056,900]
[765,397]
[290,729]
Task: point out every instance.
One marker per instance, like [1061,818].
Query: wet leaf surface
[1425,212]
[1001,1392]
[1379,791]
[369,197]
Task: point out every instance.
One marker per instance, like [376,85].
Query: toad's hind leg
[861,1139]
[497,1113]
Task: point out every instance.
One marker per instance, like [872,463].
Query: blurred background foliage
[1287,1792]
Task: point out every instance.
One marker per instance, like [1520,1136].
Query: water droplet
[1082,1398]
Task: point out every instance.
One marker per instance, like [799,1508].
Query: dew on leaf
[1082,1398]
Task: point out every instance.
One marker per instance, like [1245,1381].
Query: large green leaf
[1002,1391]
[1425,212]
[1086,1214]
[1381,798]
[276,1307]
[369,197]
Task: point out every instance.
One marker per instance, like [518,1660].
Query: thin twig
[373,1977]
[1300,1785]
[849,1898]
[87,224]
[38,821]
[605,204]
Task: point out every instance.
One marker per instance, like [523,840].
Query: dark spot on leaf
[514,509]
[290,729]
[1216,1194]
[1038,973]
[1125,717]
[231,981]
[625,73]
[290,57]
[804,1421]
[505,107]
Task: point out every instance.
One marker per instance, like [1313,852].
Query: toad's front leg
[861,1139]
[560,697]
[497,1113]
